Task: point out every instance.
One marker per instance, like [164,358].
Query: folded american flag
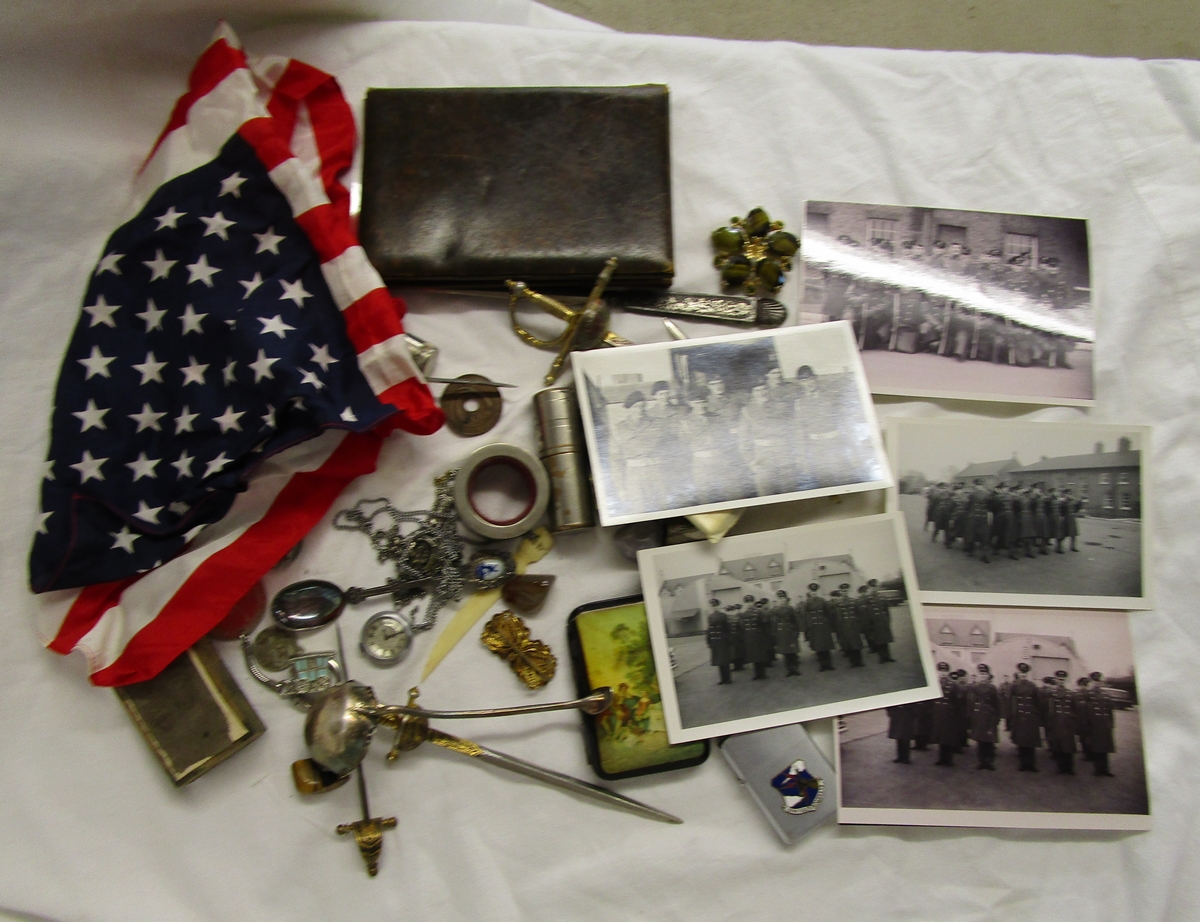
[236,363]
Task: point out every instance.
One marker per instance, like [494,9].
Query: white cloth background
[89,825]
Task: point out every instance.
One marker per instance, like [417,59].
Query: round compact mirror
[386,638]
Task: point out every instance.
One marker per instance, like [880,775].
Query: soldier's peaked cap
[1096,676]
[844,586]
[747,598]
[1061,673]
[984,667]
[872,582]
[1022,667]
[781,592]
[943,667]
[814,586]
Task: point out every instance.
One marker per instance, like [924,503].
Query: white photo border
[677,733]
[592,361]
[895,426]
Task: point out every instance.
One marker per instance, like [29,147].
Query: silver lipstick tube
[562,450]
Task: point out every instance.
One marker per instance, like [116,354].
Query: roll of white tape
[531,472]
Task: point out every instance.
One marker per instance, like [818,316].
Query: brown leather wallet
[470,187]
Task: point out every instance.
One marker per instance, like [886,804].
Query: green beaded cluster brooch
[754,252]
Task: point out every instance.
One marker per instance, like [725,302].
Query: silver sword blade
[548,776]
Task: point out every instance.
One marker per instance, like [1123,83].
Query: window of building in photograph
[1021,245]
[1123,478]
[1106,478]
[1108,499]
[818,222]
[882,230]
[951,234]
[1126,504]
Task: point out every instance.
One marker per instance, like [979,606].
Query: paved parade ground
[702,701]
[871,779]
[1108,562]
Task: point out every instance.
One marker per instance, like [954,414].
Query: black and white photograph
[780,626]
[949,303]
[1024,513]
[1037,725]
[728,421]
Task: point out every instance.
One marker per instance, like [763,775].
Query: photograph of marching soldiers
[1031,513]
[956,303]
[787,625]
[1037,714]
[676,428]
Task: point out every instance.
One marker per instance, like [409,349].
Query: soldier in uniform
[945,717]
[766,618]
[720,643]
[1003,533]
[1041,525]
[963,734]
[1024,719]
[848,632]
[818,627]
[879,632]
[1028,520]
[1096,726]
[1059,712]
[978,525]
[787,632]
[738,642]
[983,702]
[1068,509]
[901,727]
[758,650]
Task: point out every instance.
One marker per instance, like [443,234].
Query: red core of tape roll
[526,478]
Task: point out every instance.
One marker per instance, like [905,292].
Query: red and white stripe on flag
[129,630]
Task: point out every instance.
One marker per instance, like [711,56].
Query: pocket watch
[386,638]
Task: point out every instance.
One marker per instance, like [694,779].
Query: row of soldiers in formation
[973,711]
[1007,517]
[756,632]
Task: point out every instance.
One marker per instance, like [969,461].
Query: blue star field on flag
[208,341]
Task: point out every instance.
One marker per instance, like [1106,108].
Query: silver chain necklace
[431,550]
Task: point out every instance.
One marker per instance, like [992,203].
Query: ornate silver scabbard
[765,312]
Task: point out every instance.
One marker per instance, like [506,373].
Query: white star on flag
[42,516]
[143,466]
[348,416]
[218,224]
[201,271]
[147,513]
[294,292]
[275,325]
[193,372]
[123,539]
[262,366]
[232,185]
[321,356]
[229,420]
[147,419]
[216,465]
[183,422]
[227,373]
[151,316]
[89,467]
[184,465]
[91,416]
[269,418]
[177,508]
[268,242]
[251,285]
[102,312]
[97,364]
[191,320]
[151,369]
[109,263]
[170,218]
[159,266]
[310,377]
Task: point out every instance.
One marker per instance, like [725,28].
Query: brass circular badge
[471,404]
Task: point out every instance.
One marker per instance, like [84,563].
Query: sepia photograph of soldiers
[730,421]
[1037,714]
[956,303]
[780,626]
[1028,513]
